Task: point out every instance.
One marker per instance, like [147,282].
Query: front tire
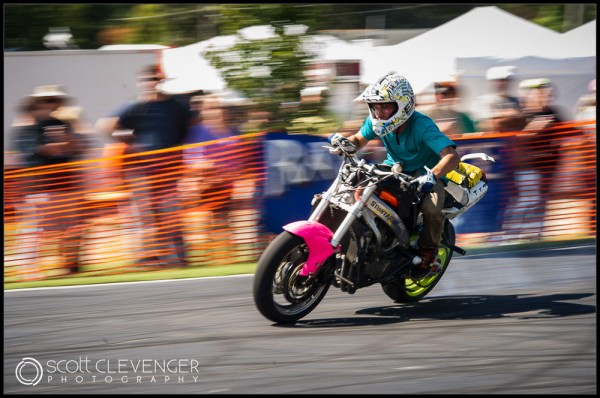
[405,290]
[280,293]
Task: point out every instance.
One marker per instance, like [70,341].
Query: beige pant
[433,218]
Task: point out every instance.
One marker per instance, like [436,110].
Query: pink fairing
[318,239]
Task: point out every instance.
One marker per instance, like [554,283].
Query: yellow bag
[465,175]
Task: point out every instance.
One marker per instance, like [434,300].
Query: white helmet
[390,88]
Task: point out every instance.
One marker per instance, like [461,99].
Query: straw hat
[53,90]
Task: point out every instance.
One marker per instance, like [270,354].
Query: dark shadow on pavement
[462,307]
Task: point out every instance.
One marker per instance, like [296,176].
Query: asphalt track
[507,323]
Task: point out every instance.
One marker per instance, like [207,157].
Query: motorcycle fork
[325,199]
[353,213]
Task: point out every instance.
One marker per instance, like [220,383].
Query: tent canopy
[579,42]
[482,31]
[467,45]
[569,62]
[188,71]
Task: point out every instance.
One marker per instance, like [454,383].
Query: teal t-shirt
[418,145]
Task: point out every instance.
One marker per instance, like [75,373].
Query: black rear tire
[280,294]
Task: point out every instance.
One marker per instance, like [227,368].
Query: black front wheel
[280,293]
[405,290]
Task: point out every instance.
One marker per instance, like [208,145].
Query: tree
[26,24]
[269,72]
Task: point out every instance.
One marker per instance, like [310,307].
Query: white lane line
[410,368]
[117,284]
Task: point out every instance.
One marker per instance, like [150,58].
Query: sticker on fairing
[382,211]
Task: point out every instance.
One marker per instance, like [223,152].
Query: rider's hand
[339,141]
[426,182]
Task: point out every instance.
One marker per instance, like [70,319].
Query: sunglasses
[50,100]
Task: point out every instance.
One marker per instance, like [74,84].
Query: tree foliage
[269,72]
[25,25]
[180,24]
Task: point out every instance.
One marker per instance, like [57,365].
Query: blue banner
[298,168]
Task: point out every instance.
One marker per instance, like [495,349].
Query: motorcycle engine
[379,266]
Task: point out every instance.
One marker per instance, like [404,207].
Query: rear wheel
[280,293]
[405,290]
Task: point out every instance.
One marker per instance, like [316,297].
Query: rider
[414,140]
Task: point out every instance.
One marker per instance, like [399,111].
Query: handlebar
[353,164]
[404,178]
[370,167]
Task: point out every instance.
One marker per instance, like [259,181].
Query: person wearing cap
[537,104]
[155,121]
[43,140]
[534,156]
[445,113]
[499,110]
[538,142]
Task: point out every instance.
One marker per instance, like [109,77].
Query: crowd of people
[51,131]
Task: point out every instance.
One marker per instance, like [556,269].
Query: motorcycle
[363,230]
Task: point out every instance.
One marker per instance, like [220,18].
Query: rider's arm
[448,162]
[358,140]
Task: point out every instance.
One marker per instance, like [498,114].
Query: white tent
[482,31]
[330,48]
[189,71]
[569,62]
[579,42]
[467,45]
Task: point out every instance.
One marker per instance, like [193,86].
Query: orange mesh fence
[547,185]
[117,212]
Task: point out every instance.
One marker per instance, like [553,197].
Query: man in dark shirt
[153,123]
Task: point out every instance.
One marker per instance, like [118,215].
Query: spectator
[257,121]
[500,111]
[49,212]
[210,165]
[155,121]
[74,115]
[211,169]
[445,113]
[536,154]
[538,104]
[196,107]
[585,108]
[539,140]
